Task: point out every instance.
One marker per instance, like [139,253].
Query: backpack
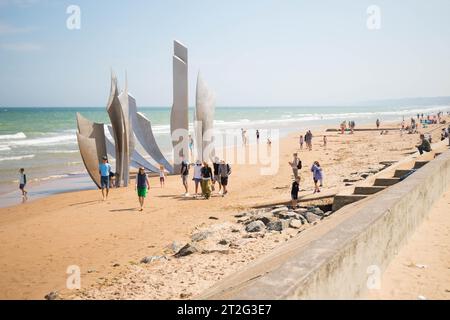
[299,164]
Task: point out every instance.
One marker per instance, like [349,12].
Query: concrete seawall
[339,263]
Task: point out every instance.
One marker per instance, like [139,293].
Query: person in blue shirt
[317,175]
[105,171]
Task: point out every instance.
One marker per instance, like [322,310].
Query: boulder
[52,296]
[311,217]
[263,217]
[199,236]
[279,210]
[278,225]
[285,215]
[255,226]
[295,224]
[186,250]
[151,259]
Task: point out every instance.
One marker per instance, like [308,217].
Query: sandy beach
[39,240]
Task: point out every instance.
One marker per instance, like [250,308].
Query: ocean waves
[17,158]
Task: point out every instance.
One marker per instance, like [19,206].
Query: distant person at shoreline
[197,175]
[184,173]
[317,175]
[257,136]
[308,140]
[142,186]
[216,178]
[294,192]
[162,176]
[207,177]
[105,173]
[224,173]
[296,165]
[378,123]
[23,183]
[325,141]
[191,144]
[301,141]
[424,146]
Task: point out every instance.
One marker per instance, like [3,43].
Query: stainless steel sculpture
[92,145]
[204,121]
[118,112]
[179,122]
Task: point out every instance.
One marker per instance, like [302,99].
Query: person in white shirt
[197,175]
[162,175]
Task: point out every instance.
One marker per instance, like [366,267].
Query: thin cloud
[6,29]
[21,47]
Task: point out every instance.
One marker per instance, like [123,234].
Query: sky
[250,52]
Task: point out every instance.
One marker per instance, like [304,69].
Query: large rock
[278,225]
[199,236]
[52,296]
[317,211]
[311,217]
[264,217]
[286,215]
[151,259]
[255,226]
[296,224]
[279,210]
[186,250]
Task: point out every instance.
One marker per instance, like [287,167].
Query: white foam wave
[31,156]
[52,140]
[19,135]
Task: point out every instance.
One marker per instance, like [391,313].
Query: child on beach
[23,183]
[302,141]
[294,191]
[162,176]
[317,175]
[142,186]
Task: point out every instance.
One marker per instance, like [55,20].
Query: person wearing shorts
[317,175]
[142,186]
[224,172]
[216,178]
[197,175]
[105,170]
[184,176]
[162,176]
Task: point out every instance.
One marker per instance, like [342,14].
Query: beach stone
[224,242]
[300,210]
[311,217]
[278,225]
[279,210]
[241,215]
[255,226]
[286,215]
[296,224]
[264,217]
[213,218]
[51,296]
[318,212]
[151,259]
[365,175]
[174,246]
[199,236]
[186,250]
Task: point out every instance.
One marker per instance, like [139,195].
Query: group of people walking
[206,177]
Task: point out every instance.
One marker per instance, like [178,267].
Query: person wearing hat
[142,186]
[197,175]
[105,170]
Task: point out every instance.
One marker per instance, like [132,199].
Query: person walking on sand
[224,173]
[197,175]
[216,178]
[296,165]
[23,183]
[142,186]
[301,141]
[325,140]
[424,146]
[162,176]
[294,192]
[257,136]
[378,123]
[191,144]
[184,173]
[105,173]
[317,175]
[207,176]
